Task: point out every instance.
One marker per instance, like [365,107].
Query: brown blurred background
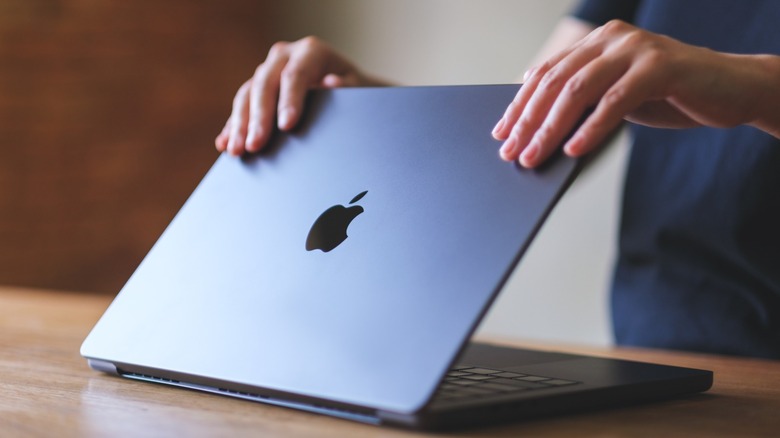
[108,111]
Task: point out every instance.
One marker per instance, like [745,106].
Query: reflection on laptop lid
[344,269]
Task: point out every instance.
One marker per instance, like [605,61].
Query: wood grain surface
[46,389]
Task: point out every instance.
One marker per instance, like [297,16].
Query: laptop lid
[349,262]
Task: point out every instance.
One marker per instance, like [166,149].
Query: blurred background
[108,112]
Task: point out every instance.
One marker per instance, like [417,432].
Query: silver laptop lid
[231,292]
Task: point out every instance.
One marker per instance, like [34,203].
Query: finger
[221,141]
[309,63]
[513,110]
[531,80]
[535,111]
[623,97]
[263,96]
[238,120]
[579,93]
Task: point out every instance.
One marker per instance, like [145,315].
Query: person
[698,265]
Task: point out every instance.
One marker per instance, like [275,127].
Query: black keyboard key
[520,383]
[533,378]
[474,390]
[478,377]
[508,375]
[481,371]
[464,382]
[500,387]
[559,382]
[461,367]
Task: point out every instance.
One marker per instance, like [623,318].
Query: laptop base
[600,383]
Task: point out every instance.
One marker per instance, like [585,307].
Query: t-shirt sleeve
[598,12]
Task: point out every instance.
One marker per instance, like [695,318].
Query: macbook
[344,269]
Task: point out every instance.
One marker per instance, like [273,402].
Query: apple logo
[330,229]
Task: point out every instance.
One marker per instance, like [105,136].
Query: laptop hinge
[362,417]
[102,366]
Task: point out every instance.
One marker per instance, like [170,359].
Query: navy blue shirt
[699,249]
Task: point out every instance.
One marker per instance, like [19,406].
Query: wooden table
[46,389]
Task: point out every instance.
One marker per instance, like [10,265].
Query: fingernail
[526,75]
[528,157]
[573,147]
[498,127]
[508,148]
[253,139]
[285,118]
[250,138]
[235,146]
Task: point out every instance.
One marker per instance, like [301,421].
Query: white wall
[558,292]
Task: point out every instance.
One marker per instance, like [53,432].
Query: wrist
[767,115]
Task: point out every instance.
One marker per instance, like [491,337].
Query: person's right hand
[627,73]
[278,88]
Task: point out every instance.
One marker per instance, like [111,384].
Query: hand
[628,73]
[279,86]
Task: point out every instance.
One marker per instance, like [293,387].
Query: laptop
[344,269]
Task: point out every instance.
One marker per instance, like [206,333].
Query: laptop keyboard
[465,382]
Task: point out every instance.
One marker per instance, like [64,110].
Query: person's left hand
[628,73]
